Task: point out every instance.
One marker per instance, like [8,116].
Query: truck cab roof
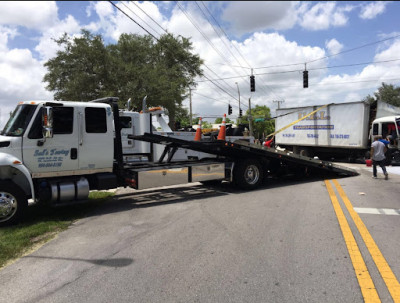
[66,103]
[387,119]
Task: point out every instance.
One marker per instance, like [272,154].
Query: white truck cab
[53,145]
[79,130]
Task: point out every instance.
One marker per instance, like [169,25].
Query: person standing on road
[378,150]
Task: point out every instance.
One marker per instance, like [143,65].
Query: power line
[302,64]
[140,18]
[149,17]
[122,11]
[244,59]
[134,21]
[350,50]
[206,38]
[317,68]
[233,55]
[202,33]
[222,101]
[346,82]
[232,66]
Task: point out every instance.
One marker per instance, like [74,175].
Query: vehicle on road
[55,152]
[339,130]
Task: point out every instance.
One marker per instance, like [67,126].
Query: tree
[80,71]
[204,123]
[134,67]
[387,93]
[182,117]
[219,120]
[264,127]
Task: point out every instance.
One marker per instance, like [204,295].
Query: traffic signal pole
[239,102]
[250,119]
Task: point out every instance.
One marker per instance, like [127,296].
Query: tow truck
[56,152]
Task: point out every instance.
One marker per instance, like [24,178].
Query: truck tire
[388,159]
[248,174]
[13,203]
[396,158]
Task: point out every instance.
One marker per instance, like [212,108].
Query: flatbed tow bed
[239,152]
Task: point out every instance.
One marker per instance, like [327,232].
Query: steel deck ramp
[242,149]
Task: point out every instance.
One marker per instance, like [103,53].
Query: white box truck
[339,130]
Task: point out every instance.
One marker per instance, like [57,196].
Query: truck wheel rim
[252,174]
[8,206]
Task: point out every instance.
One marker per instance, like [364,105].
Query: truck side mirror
[47,122]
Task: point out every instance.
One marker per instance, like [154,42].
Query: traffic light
[252,83]
[229,109]
[240,112]
[305,79]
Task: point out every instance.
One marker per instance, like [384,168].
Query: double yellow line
[367,286]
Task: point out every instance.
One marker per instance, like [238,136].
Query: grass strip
[42,224]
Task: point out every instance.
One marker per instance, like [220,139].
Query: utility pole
[250,119]
[190,107]
[239,102]
[279,103]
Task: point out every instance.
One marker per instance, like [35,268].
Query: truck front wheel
[12,203]
[248,174]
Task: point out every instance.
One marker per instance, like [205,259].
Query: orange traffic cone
[197,137]
[222,130]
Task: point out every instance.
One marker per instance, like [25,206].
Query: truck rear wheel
[248,174]
[12,203]
[396,158]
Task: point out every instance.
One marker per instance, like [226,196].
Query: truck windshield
[19,120]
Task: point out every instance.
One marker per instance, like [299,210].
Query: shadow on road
[118,262]
[128,199]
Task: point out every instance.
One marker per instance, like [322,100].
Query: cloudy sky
[349,48]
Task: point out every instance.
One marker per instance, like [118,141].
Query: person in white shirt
[378,150]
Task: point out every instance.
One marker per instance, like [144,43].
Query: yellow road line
[364,279]
[388,276]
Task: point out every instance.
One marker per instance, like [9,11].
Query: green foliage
[219,120]
[80,71]
[204,124]
[42,224]
[182,117]
[387,93]
[134,67]
[260,128]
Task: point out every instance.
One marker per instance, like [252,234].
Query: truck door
[127,128]
[54,156]
[96,139]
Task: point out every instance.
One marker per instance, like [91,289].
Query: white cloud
[324,15]
[21,80]
[47,47]
[371,10]
[281,15]
[264,15]
[333,46]
[5,34]
[113,22]
[31,14]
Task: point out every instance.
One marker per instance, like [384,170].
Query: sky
[349,48]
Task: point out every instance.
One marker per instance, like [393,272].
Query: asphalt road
[195,243]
